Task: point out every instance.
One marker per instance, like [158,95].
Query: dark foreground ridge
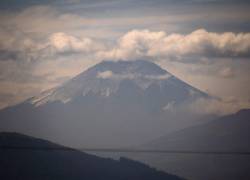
[56,164]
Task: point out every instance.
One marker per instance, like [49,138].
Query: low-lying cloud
[217,106]
[111,75]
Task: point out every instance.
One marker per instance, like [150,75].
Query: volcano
[112,104]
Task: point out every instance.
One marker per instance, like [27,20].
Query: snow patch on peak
[38,100]
[169,106]
[106,92]
[48,96]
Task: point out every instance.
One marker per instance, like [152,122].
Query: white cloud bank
[21,46]
[145,43]
[62,42]
[132,45]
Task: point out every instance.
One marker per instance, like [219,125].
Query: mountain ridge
[58,163]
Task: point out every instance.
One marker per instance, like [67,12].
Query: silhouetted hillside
[24,157]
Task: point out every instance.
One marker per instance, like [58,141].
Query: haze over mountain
[111,104]
[226,134]
[24,157]
[123,78]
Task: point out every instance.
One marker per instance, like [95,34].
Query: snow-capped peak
[105,78]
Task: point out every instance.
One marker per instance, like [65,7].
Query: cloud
[19,46]
[42,20]
[64,43]
[226,72]
[134,44]
[145,43]
[38,22]
[105,74]
[129,75]
[15,45]
[217,106]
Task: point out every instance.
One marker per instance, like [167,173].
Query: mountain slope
[42,162]
[107,78]
[117,104]
[226,134]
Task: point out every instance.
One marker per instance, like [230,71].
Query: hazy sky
[203,42]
